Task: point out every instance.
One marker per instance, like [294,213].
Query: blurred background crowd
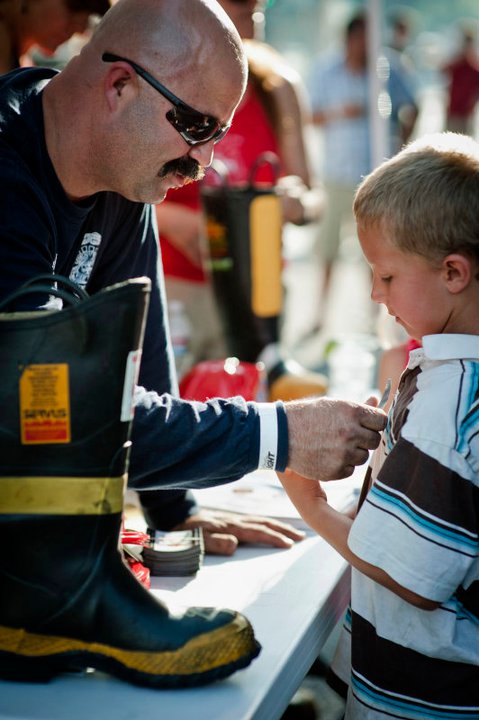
[436,43]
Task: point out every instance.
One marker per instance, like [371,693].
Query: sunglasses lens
[194,127]
[221,132]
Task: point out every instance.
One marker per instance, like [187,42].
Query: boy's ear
[457,272]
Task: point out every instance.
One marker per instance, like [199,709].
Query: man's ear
[120,81]
[457,272]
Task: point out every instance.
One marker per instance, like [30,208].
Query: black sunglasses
[194,127]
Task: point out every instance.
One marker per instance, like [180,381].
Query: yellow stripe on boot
[61,495]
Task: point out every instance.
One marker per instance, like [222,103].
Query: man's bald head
[178,37]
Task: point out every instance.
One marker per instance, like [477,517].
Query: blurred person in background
[339,87]
[462,74]
[400,38]
[42,24]
[272,117]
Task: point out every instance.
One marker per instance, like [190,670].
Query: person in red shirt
[463,78]
[271,118]
[45,24]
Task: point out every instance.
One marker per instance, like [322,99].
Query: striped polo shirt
[420,524]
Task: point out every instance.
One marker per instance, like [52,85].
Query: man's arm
[302,197]
[198,444]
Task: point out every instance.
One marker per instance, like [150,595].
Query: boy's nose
[376,294]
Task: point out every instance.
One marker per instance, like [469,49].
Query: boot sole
[30,657]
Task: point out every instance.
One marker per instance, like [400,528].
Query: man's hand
[223,531]
[328,438]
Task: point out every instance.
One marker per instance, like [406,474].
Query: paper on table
[261,493]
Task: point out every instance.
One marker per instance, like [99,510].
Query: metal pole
[379,102]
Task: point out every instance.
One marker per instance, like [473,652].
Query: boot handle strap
[73,294]
[266,158]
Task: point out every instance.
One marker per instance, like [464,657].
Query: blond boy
[414,544]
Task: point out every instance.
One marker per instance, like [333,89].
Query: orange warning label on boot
[45,404]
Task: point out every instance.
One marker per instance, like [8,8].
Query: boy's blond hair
[426,198]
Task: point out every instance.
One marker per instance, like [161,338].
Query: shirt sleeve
[189,444]
[418,523]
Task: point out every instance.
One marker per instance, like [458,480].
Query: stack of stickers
[179,552]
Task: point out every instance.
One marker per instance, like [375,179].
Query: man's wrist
[273,446]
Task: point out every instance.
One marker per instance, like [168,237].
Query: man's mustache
[185,166]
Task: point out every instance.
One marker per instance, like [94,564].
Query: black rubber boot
[67,599]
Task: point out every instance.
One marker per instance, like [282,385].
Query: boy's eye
[387,278]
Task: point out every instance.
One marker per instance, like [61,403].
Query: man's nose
[203,153]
